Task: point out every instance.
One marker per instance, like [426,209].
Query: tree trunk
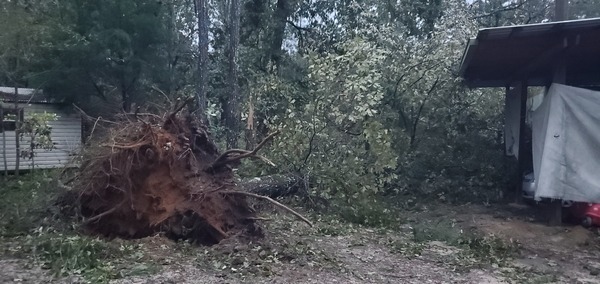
[274,185]
[4,160]
[279,24]
[250,127]
[203,21]
[232,117]
[17,131]
[283,11]
[126,99]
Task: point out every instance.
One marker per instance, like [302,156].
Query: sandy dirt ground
[334,252]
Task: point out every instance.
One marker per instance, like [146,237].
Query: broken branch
[246,152]
[223,158]
[259,219]
[133,146]
[274,202]
[179,108]
[91,118]
[103,213]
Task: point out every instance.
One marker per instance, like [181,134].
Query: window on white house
[8,118]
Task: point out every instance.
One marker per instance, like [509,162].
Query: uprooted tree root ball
[163,174]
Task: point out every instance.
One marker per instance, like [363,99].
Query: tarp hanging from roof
[566,145]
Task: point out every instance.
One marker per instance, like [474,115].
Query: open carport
[518,57]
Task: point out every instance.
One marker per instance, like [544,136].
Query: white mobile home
[66,129]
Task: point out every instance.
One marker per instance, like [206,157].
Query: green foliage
[526,276]
[443,230]
[446,136]
[29,227]
[475,249]
[65,254]
[109,51]
[368,101]
[25,201]
[368,212]
[22,38]
[488,249]
[407,248]
[38,131]
[382,109]
[332,130]
[71,254]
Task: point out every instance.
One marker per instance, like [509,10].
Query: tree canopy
[366,93]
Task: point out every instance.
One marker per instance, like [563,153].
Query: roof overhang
[500,56]
[25,95]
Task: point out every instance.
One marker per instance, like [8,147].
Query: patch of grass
[331,225]
[95,260]
[262,259]
[473,249]
[287,242]
[525,276]
[490,249]
[25,202]
[370,212]
[30,228]
[407,248]
[445,231]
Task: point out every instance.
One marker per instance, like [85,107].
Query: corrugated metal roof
[536,30]
[498,56]
[26,95]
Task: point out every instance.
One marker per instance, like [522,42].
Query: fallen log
[275,186]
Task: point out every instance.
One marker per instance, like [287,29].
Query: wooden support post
[555,213]
[523,154]
[555,207]
[561,10]
[560,77]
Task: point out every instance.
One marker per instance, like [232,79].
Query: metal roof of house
[502,55]
[26,95]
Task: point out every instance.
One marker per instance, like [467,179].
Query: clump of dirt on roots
[160,174]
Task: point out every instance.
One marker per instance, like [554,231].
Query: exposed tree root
[164,174]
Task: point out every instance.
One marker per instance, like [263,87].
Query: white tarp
[566,144]
[512,118]
[512,110]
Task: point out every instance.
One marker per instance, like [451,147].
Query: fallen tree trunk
[275,186]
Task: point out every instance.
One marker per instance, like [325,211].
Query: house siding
[66,135]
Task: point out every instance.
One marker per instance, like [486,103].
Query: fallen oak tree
[277,185]
[164,174]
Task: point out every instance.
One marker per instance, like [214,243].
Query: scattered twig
[223,158]
[103,213]
[131,146]
[143,114]
[93,129]
[272,201]
[302,29]
[260,157]
[88,117]
[259,219]
[179,108]
[162,93]
[499,10]
[137,110]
